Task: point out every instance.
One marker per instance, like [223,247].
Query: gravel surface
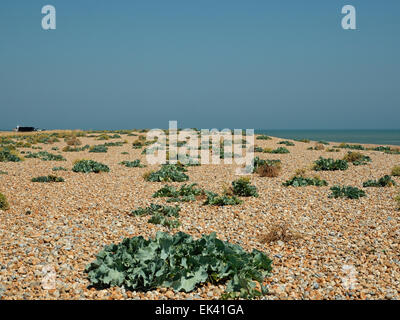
[344,249]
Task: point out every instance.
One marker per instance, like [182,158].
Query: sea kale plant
[87,166]
[346,192]
[330,164]
[225,200]
[181,263]
[46,156]
[9,155]
[385,181]
[49,178]
[300,181]
[243,188]
[357,158]
[162,215]
[132,164]
[184,194]
[168,172]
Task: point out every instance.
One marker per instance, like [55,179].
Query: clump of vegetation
[317,147]
[279,232]
[351,146]
[75,149]
[357,158]
[348,192]
[258,149]
[269,170]
[184,194]
[181,263]
[303,140]
[277,150]
[287,143]
[263,137]
[87,166]
[225,200]
[397,199]
[3,172]
[330,164]
[243,188]
[323,142]
[48,179]
[59,169]
[332,150]
[162,215]
[4,203]
[98,149]
[46,156]
[132,164]
[257,162]
[300,181]
[396,171]
[9,155]
[385,181]
[73,141]
[168,172]
[137,144]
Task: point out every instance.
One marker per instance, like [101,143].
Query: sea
[381,137]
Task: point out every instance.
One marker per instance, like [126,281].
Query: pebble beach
[334,249]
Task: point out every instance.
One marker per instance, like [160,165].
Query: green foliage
[299,181]
[385,181]
[181,263]
[287,143]
[346,192]
[59,169]
[263,137]
[160,215]
[396,171]
[46,156]
[132,164]
[3,202]
[168,172]
[278,150]
[323,142]
[258,149]
[381,148]
[224,200]
[330,164]
[9,155]
[137,144]
[357,158]
[3,172]
[49,178]
[302,140]
[257,162]
[243,188]
[184,194]
[351,146]
[98,149]
[87,166]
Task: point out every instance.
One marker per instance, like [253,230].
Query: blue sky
[222,63]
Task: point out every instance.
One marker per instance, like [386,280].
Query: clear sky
[206,63]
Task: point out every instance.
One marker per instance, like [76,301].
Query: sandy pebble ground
[343,249]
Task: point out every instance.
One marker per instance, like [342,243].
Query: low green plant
[181,263]
[300,181]
[243,188]
[263,137]
[277,150]
[48,179]
[287,143]
[4,203]
[351,146]
[98,149]
[75,149]
[225,200]
[385,181]
[46,156]
[162,215]
[9,155]
[3,172]
[348,192]
[330,164]
[132,164]
[184,194]
[357,158]
[59,169]
[168,172]
[87,166]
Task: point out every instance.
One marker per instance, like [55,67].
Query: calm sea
[382,137]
